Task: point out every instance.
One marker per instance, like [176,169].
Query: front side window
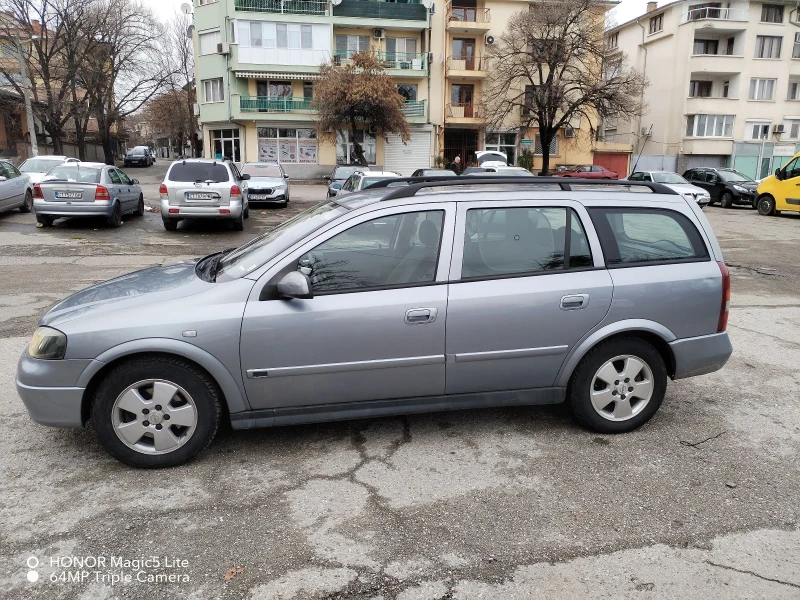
[631,236]
[792,169]
[112,174]
[213,89]
[514,241]
[768,46]
[762,89]
[394,250]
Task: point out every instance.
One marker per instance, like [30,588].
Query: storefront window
[503,142]
[287,145]
[225,144]
[344,147]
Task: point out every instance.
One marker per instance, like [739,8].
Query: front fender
[591,340]
[232,390]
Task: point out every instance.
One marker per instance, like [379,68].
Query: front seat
[421,260]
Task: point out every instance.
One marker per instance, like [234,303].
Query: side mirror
[245,177]
[134,182]
[779,174]
[337,186]
[295,285]
[286,176]
[327,177]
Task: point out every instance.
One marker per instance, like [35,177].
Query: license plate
[199,196]
[69,194]
[257,196]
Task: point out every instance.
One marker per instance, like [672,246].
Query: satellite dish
[186,8]
[336,2]
[427,3]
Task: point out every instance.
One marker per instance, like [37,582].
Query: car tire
[170,224]
[45,220]
[139,212]
[115,220]
[726,200]
[766,206]
[238,224]
[594,395]
[27,203]
[182,398]
[247,212]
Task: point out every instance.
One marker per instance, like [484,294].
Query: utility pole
[26,92]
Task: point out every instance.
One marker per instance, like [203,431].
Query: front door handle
[574,302]
[418,316]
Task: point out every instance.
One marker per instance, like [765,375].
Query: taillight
[101,193]
[162,189]
[726,298]
[235,191]
[37,191]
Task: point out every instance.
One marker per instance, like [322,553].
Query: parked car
[587,172]
[361,179]
[204,188]
[268,182]
[490,158]
[433,173]
[139,156]
[16,190]
[339,175]
[502,171]
[780,191]
[674,182]
[377,304]
[726,186]
[87,189]
[37,167]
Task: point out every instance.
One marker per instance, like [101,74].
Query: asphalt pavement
[507,503]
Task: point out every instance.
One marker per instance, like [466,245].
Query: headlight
[47,344]
[739,188]
[280,186]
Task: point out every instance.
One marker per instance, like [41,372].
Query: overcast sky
[627,9]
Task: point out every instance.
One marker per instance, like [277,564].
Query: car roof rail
[418,183]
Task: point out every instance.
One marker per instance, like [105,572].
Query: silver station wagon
[435,295]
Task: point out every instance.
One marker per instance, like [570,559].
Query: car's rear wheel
[247,212]
[45,220]
[238,223]
[766,206]
[27,204]
[618,386]
[726,200]
[156,412]
[139,207]
[170,224]
[115,220]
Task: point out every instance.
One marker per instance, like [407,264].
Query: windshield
[40,165]
[135,151]
[370,180]
[516,172]
[198,171]
[733,176]
[75,173]
[345,172]
[668,178]
[262,171]
[258,251]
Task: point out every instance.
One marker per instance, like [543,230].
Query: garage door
[405,159]
[613,161]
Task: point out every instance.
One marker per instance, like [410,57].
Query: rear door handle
[574,302]
[418,316]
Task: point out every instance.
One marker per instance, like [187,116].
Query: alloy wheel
[621,388]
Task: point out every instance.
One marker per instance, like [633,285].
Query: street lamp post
[26,92]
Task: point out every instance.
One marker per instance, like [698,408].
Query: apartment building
[257,61]
[724,85]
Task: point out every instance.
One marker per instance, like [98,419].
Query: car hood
[269,181]
[686,188]
[749,185]
[147,286]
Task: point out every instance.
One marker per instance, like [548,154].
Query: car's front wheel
[726,200]
[156,412]
[618,386]
[766,206]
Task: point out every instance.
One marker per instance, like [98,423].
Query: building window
[209,41]
[699,89]
[401,49]
[709,126]
[657,23]
[796,49]
[344,146]
[214,92]
[705,47]
[768,46]
[287,145]
[707,10]
[613,40]
[308,90]
[762,89]
[347,45]
[771,13]
[725,87]
[204,2]
[794,90]
[305,37]
[225,144]
[537,146]
[758,130]
[407,90]
[792,129]
[503,142]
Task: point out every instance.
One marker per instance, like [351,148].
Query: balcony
[397,64]
[710,13]
[468,19]
[721,64]
[410,10]
[286,7]
[463,67]
[274,104]
[464,113]
[414,110]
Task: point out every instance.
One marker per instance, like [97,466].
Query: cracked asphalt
[505,503]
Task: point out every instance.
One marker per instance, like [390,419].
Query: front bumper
[274,197]
[50,391]
[701,355]
[200,211]
[744,198]
[77,209]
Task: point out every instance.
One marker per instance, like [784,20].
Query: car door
[375,328]
[787,190]
[517,304]
[8,186]
[116,188]
[131,190]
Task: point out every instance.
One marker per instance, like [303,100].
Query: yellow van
[781,191]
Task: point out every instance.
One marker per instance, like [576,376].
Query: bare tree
[358,93]
[170,114]
[551,67]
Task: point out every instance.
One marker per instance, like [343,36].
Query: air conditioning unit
[378,34]
[430,58]
[489,40]
[569,132]
[778,129]
[223,48]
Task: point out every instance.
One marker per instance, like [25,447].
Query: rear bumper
[200,212]
[82,209]
[700,355]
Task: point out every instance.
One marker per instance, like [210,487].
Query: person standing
[455,166]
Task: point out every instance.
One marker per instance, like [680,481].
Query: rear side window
[191,172]
[632,236]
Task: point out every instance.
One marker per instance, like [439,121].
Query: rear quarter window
[645,236]
[191,172]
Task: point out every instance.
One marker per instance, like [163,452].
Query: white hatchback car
[675,182]
[361,179]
